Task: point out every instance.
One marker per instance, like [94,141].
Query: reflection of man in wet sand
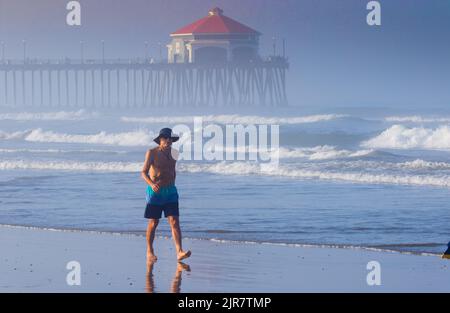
[162,195]
[176,283]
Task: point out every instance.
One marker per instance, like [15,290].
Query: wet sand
[35,260]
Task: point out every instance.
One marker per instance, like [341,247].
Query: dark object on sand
[446,254]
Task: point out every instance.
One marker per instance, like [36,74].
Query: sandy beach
[35,260]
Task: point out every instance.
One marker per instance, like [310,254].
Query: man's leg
[174,222]
[151,230]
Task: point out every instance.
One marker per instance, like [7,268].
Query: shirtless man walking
[162,195]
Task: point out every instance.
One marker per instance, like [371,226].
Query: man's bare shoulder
[151,152]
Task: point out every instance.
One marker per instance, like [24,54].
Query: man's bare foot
[151,257]
[183,255]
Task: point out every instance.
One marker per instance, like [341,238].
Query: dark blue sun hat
[166,133]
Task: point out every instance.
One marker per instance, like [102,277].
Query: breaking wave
[60,151]
[133,138]
[234,119]
[14,135]
[322,153]
[417,164]
[312,153]
[244,168]
[421,164]
[71,166]
[237,168]
[402,137]
[417,119]
[145,137]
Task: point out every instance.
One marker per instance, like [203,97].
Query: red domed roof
[215,23]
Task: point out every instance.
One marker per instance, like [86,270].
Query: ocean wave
[313,153]
[133,138]
[71,166]
[417,164]
[417,119]
[14,135]
[240,168]
[144,138]
[233,119]
[322,153]
[402,137]
[422,164]
[60,151]
[49,116]
[310,153]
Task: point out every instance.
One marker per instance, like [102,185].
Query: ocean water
[377,178]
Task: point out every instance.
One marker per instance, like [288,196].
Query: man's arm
[144,172]
[175,154]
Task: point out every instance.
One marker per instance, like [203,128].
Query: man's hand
[144,173]
[155,187]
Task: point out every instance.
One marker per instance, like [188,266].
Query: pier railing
[141,82]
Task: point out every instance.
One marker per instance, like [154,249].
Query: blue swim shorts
[166,199]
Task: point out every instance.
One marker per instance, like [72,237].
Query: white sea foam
[417,119]
[49,116]
[61,151]
[422,164]
[38,135]
[402,137]
[417,164]
[321,153]
[145,137]
[310,153]
[239,168]
[132,138]
[71,166]
[233,119]
[14,135]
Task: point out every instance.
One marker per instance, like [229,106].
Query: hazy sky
[336,58]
